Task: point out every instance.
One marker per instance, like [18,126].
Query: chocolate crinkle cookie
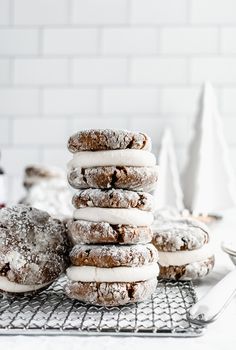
[179,234]
[114,255]
[33,248]
[113,198]
[108,139]
[191,271]
[119,177]
[111,294]
[86,232]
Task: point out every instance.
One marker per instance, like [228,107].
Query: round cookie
[184,249]
[33,249]
[108,256]
[118,177]
[37,173]
[111,294]
[108,139]
[192,271]
[81,231]
[179,234]
[113,198]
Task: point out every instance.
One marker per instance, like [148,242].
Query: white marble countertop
[219,335]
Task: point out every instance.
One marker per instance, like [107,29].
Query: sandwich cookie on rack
[112,275]
[111,159]
[185,250]
[33,249]
[111,216]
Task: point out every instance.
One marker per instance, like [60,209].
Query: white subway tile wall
[4,71]
[43,12]
[129,41]
[139,64]
[18,41]
[5,12]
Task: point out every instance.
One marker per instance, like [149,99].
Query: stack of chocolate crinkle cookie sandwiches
[112,259]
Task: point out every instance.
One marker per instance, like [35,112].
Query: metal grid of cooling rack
[52,313]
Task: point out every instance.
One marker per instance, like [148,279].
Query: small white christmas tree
[168,192]
[208,179]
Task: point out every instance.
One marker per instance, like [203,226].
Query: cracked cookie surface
[192,271]
[33,246]
[113,255]
[108,139]
[111,294]
[113,198]
[89,232]
[180,234]
[123,177]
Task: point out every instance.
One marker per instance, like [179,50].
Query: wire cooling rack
[52,313]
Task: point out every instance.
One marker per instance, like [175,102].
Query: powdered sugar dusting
[126,177]
[32,245]
[113,198]
[108,139]
[192,271]
[179,234]
[81,231]
[111,294]
[113,255]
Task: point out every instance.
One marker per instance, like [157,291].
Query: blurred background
[137,64]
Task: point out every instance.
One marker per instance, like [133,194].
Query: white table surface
[219,335]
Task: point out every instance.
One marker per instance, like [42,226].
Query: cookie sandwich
[101,217]
[112,159]
[185,250]
[112,275]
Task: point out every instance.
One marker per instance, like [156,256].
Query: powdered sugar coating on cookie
[130,178]
[113,198]
[113,255]
[111,294]
[81,231]
[192,271]
[108,139]
[179,234]
[32,245]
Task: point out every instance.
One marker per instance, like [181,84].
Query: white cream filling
[13,287]
[127,157]
[185,256]
[115,216]
[114,274]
